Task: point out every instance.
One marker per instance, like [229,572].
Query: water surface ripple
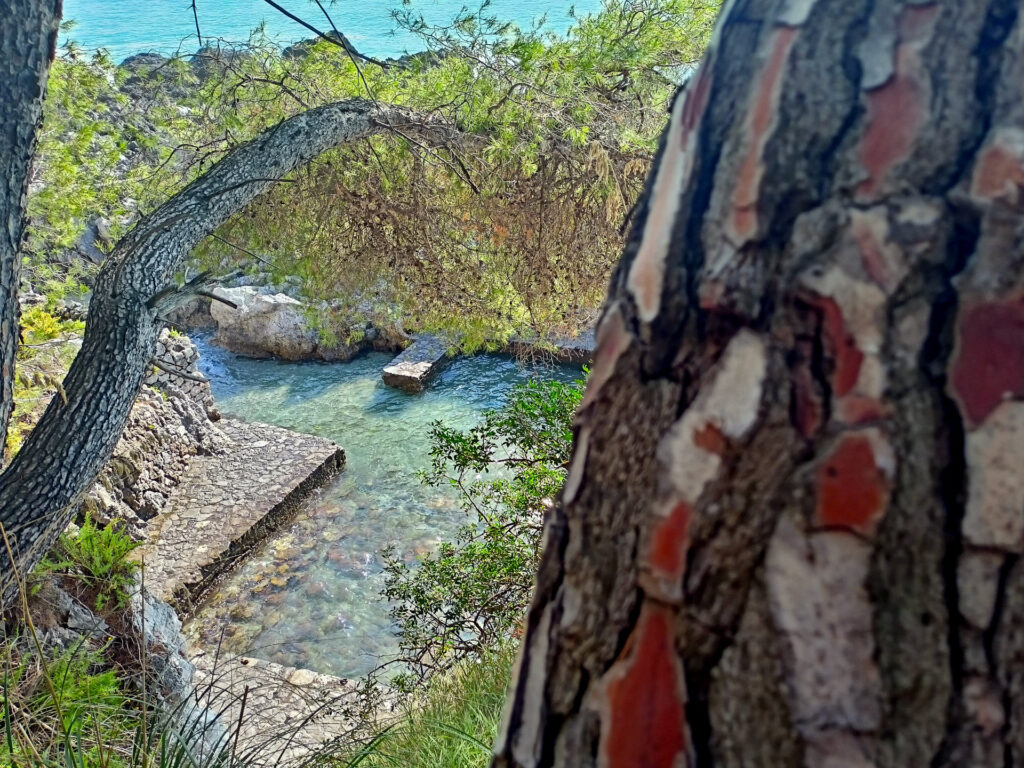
[125,27]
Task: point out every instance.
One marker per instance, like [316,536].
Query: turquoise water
[125,27]
[310,597]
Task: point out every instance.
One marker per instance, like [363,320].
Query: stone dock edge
[188,597]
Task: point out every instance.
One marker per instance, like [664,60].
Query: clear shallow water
[125,27]
[310,597]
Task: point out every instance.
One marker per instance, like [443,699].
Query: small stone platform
[227,503]
[413,369]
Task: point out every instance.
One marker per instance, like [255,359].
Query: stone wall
[172,420]
[177,355]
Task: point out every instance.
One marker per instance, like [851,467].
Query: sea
[168,27]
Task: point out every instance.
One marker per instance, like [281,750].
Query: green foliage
[470,595]
[97,157]
[55,705]
[38,325]
[97,559]
[82,689]
[70,709]
[451,725]
[43,358]
[509,225]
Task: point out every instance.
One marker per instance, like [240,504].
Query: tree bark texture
[28,39]
[67,448]
[792,527]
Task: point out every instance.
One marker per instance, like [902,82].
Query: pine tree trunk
[792,527]
[28,39]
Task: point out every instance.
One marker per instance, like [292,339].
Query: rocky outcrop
[413,369]
[264,323]
[159,627]
[571,350]
[65,623]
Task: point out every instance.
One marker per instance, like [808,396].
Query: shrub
[68,709]
[470,594]
[97,558]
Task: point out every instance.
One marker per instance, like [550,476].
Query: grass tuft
[451,725]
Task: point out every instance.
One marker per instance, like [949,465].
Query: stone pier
[227,503]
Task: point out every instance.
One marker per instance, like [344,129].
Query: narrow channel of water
[310,597]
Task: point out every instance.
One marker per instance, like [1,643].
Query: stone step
[290,714]
[413,369]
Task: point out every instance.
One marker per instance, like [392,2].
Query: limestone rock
[160,629]
[267,322]
[263,325]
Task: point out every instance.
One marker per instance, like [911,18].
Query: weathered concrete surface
[227,503]
[289,713]
[413,369]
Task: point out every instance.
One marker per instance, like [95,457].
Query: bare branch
[341,41]
[167,368]
[195,15]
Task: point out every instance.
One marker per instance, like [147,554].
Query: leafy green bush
[469,595]
[44,357]
[96,558]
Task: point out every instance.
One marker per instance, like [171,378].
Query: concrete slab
[226,504]
[413,369]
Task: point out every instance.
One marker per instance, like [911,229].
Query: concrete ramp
[228,503]
[417,365]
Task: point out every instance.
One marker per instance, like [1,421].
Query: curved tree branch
[73,440]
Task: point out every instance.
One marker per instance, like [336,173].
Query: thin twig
[178,372]
[195,15]
[342,43]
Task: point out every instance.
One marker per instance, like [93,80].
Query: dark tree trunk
[63,454]
[28,39]
[792,527]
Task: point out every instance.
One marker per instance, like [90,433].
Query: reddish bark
[646,699]
[852,489]
[797,472]
[988,367]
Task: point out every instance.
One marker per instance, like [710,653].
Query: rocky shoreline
[199,492]
[275,322]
